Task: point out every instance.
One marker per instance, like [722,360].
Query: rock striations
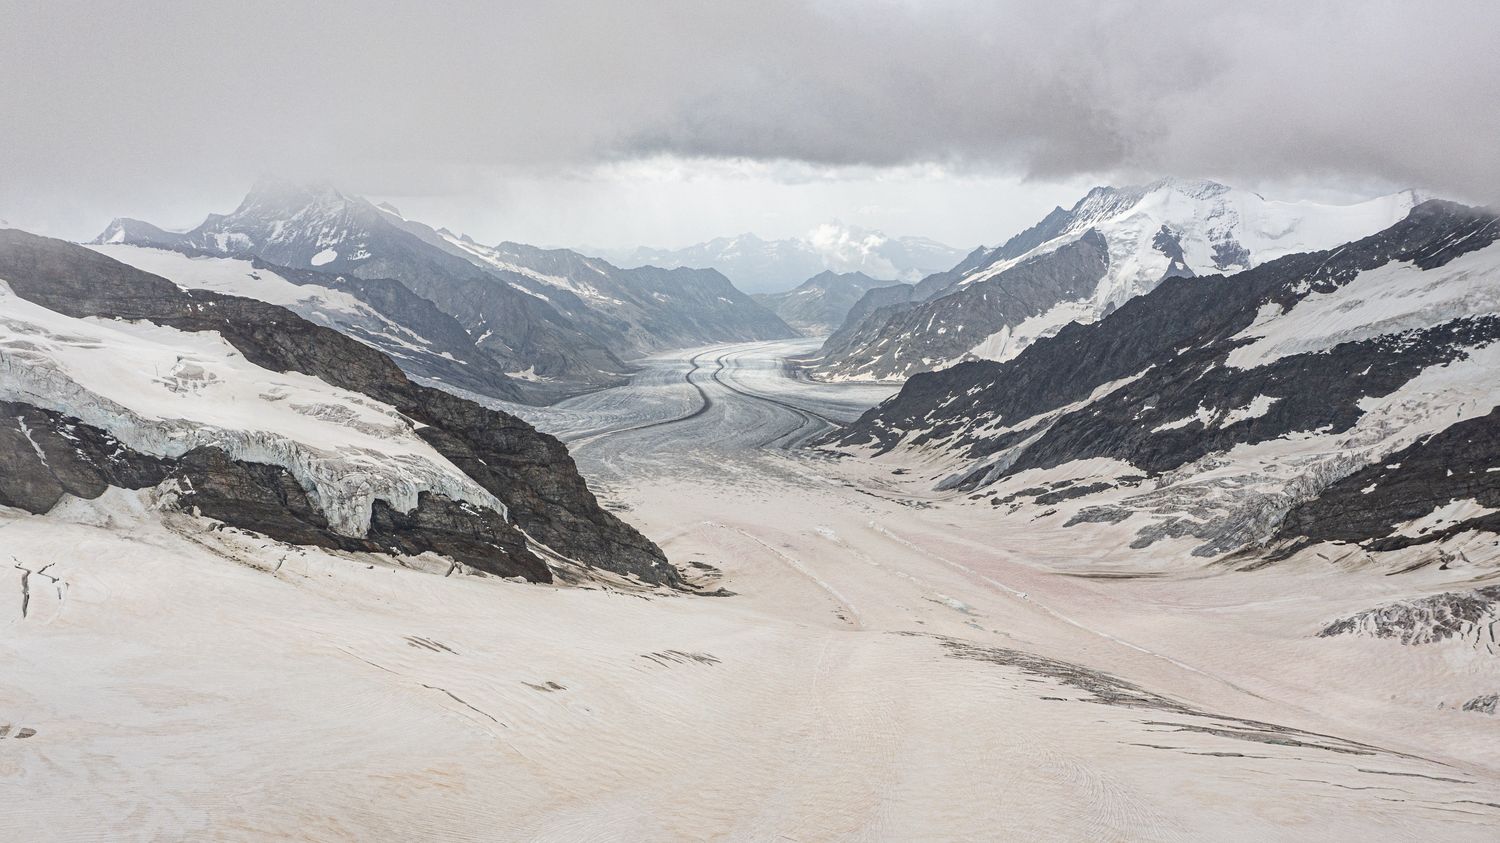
[1346,395]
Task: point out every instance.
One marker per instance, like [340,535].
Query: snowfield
[893,664]
[164,392]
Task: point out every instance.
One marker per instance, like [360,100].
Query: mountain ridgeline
[1078,265]
[244,412]
[541,323]
[1337,395]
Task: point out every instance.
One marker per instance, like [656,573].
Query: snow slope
[1389,299]
[382,314]
[884,671]
[236,276]
[165,392]
[1213,410]
[1006,300]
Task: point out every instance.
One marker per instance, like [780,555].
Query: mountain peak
[127,230]
[1078,265]
[267,188]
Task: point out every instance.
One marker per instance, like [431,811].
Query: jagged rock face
[445,351]
[939,330]
[1466,616]
[1451,468]
[539,483]
[821,303]
[529,472]
[865,320]
[44,455]
[1081,264]
[862,324]
[1318,361]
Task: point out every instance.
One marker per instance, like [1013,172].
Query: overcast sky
[615,123]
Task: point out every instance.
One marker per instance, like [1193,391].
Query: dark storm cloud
[102,102]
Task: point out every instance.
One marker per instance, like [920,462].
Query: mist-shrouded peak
[758,265]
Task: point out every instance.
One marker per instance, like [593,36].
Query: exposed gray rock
[317,227]
[444,351]
[44,455]
[863,322]
[644,309]
[1463,615]
[1484,704]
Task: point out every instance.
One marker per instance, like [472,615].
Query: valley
[797,421]
[884,661]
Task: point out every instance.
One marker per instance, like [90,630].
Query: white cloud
[169,108]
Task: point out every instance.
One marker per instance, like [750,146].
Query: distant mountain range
[770,266]
[510,321]
[822,302]
[1080,264]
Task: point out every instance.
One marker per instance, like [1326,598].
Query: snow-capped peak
[1079,264]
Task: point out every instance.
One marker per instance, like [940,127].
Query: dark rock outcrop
[1484,704]
[1173,399]
[1455,464]
[529,471]
[44,455]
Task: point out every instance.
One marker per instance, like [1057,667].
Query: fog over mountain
[1023,94]
[775,266]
